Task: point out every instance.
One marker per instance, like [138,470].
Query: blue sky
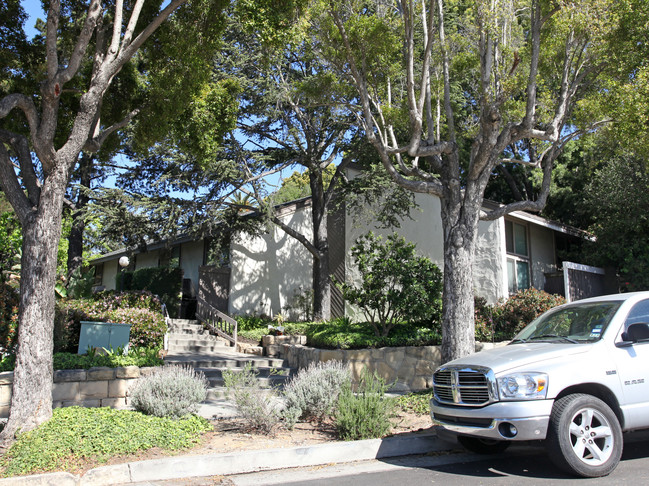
[34,10]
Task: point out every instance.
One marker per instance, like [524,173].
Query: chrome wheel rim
[591,437]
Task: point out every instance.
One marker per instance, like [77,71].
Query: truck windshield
[579,323]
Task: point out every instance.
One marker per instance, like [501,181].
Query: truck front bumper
[524,420]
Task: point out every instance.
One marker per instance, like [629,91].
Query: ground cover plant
[416,402]
[74,434]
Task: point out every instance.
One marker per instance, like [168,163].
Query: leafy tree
[103,38]
[297,185]
[293,111]
[478,84]
[618,198]
[396,285]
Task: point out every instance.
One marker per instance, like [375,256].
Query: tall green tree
[294,113]
[618,199]
[479,84]
[41,138]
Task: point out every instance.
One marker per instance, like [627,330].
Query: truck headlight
[523,386]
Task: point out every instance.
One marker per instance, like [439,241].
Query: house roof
[541,221]
[306,201]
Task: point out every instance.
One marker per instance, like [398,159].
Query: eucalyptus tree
[41,138]
[479,84]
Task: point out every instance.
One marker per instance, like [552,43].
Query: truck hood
[513,356]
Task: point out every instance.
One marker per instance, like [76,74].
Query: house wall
[424,228]
[268,270]
[149,259]
[489,269]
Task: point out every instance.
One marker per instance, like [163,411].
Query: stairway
[192,345]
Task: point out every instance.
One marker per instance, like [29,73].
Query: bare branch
[127,51]
[117,29]
[51,37]
[11,187]
[20,145]
[94,144]
[298,236]
[94,12]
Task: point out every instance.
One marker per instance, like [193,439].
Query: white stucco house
[267,274]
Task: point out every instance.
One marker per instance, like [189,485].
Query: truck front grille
[462,386]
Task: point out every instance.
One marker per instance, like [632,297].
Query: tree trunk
[31,401]
[458,325]
[75,240]
[321,271]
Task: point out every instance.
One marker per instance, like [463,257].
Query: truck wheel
[483,446]
[584,436]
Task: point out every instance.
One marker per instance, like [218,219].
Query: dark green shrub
[165,282]
[341,333]
[366,413]
[147,327]
[505,319]
[248,323]
[132,299]
[171,391]
[396,285]
[9,303]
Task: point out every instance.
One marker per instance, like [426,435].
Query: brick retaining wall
[96,387]
[406,368]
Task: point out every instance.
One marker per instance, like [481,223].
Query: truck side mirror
[638,331]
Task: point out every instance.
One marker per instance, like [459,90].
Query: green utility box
[108,335]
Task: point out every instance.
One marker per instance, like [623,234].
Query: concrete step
[189,331]
[183,322]
[198,349]
[273,381]
[222,361]
[195,340]
[220,393]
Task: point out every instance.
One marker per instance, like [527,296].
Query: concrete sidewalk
[192,466]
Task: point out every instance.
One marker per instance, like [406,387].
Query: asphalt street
[527,464]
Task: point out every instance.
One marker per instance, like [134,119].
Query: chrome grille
[461,386]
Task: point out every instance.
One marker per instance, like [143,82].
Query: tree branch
[20,145]
[11,187]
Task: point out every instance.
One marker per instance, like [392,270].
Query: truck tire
[483,446]
[584,436]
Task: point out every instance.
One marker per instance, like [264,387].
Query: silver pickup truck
[577,377]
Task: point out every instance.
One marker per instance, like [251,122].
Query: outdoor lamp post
[123,262]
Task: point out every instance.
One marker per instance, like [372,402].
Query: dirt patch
[231,435]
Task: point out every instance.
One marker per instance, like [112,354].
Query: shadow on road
[525,462]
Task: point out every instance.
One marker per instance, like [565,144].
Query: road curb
[191,466]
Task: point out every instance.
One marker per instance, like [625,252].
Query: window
[99,274]
[518,257]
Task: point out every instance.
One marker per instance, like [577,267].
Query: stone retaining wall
[406,368]
[96,387]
